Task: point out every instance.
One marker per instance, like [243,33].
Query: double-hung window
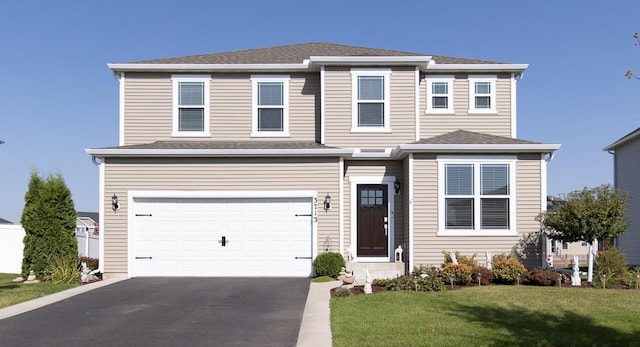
[270,115]
[477,197]
[190,105]
[370,94]
[440,94]
[482,94]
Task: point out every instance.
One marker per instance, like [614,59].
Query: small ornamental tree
[49,221]
[587,215]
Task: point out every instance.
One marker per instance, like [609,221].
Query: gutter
[477,148]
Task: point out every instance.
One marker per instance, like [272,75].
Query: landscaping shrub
[613,264]
[633,277]
[49,221]
[543,277]
[486,275]
[342,292]
[462,273]
[329,264]
[506,268]
[461,258]
[62,270]
[403,282]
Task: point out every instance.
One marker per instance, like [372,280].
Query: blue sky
[59,97]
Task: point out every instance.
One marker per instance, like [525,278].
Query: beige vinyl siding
[627,179]
[338,111]
[433,124]
[148,107]
[428,246]
[124,175]
[376,169]
[231,108]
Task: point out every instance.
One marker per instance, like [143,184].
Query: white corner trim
[341,208]
[103,211]
[121,109]
[417,103]
[322,106]
[543,183]
[514,118]
[411,212]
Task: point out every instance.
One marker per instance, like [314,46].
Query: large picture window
[370,99]
[476,196]
[190,105]
[270,105]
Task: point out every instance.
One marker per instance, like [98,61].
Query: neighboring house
[4,221]
[563,252]
[87,234]
[626,177]
[250,163]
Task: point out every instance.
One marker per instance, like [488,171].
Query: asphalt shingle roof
[464,137]
[224,145]
[297,53]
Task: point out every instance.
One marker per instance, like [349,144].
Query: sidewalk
[315,329]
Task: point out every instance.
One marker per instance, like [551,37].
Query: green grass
[489,316]
[15,293]
[322,279]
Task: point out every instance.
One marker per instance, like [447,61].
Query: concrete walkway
[315,329]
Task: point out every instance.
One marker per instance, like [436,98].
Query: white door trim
[215,194]
[389,181]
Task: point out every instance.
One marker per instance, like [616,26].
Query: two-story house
[251,163]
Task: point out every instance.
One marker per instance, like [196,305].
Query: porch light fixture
[327,203]
[397,186]
[115,206]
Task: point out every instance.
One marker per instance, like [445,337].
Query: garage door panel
[183,237]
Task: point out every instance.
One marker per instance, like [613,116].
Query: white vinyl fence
[12,246]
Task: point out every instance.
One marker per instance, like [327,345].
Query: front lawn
[489,316]
[15,293]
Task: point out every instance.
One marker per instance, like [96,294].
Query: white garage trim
[137,194]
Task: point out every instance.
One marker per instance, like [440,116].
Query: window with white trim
[476,196]
[190,105]
[440,94]
[370,94]
[482,94]
[270,115]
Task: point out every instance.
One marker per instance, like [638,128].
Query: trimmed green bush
[486,275]
[507,267]
[329,264]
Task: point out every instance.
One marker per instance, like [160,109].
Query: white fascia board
[387,154]
[421,60]
[219,152]
[628,138]
[207,67]
[477,67]
[479,148]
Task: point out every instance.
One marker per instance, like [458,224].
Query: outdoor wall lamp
[327,203]
[397,186]
[114,203]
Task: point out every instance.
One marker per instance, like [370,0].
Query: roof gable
[624,140]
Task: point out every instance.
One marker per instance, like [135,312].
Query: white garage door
[222,237]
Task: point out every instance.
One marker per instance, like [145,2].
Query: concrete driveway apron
[169,312]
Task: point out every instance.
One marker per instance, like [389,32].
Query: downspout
[100,166]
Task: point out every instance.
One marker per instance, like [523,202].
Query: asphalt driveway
[168,312]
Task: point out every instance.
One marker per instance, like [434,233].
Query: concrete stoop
[376,270]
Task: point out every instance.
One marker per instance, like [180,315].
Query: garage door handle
[303,215]
[303,257]
[143,257]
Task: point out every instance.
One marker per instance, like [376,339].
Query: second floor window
[440,94]
[370,99]
[191,105]
[270,105]
[482,94]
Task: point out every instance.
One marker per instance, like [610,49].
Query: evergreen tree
[49,221]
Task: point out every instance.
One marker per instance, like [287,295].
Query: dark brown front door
[372,220]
